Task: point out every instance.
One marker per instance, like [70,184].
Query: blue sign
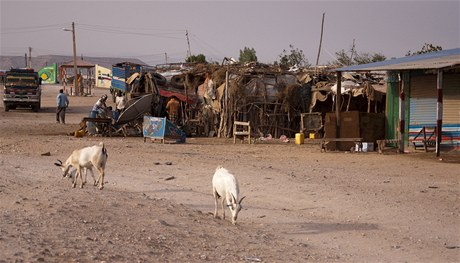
[159,128]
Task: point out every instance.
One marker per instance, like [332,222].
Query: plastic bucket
[299,138]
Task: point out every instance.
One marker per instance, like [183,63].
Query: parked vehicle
[22,88]
[120,75]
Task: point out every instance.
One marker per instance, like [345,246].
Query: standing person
[173,108]
[62,103]
[120,102]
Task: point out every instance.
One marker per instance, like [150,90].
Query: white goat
[225,186]
[86,158]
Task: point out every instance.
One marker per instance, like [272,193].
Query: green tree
[427,48]
[293,57]
[364,58]
[200,58]
[343,58]
[248,55]
[358,58]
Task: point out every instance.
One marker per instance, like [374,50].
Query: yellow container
[80,133]
[312,135]
[299,138]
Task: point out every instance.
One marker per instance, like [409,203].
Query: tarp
[170,93]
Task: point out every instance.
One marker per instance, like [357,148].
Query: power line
[29,29]
[164,33]
[202,44]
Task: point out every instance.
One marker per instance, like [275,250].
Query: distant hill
[7,62]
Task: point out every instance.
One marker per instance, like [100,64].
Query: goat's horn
[234,199]
[241,199]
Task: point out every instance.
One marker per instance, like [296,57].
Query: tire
[177,82]
[36,107]
[6,107]
[160,79]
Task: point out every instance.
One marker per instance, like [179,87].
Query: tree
[200,58]
[427,48]
[293,57]
[364,58]
[358,58]
[343,58]
[247,55]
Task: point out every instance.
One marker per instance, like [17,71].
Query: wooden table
[107,122]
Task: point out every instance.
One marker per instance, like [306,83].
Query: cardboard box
[330,129]
[349,128]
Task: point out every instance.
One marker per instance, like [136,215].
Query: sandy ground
[301,205]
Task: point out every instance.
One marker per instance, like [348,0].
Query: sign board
[161,128]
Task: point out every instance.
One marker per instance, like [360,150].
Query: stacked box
[372,126]
[349,128]
[330,129]
[354,124]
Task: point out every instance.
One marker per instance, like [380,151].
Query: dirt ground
[301,205]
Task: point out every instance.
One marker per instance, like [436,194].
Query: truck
[120,74]
[124,76]
[22,88]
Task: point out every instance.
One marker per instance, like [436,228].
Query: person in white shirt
[120,102]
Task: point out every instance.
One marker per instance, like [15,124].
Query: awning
[180,96]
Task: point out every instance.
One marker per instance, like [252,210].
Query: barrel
[299,138]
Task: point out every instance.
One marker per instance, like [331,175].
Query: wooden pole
[188,44]
[352,52]
[402,113]
[29,63]
[320,44]
[338,102]
[439,114]
[75,80]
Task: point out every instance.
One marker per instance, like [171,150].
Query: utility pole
[352,52]
[320,43]
[29,63]
[189,53]
[166,58]
[75,80]
[25,60]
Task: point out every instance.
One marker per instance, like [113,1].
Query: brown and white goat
[86,158]
[225,186]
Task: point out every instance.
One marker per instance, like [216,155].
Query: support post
[402,113]
[338,102]
[439,113]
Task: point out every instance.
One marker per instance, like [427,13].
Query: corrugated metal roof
[432,60]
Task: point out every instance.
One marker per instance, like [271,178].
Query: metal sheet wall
[451,99]
[423,100]
[423,107]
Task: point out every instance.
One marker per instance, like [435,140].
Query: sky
[155,31]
